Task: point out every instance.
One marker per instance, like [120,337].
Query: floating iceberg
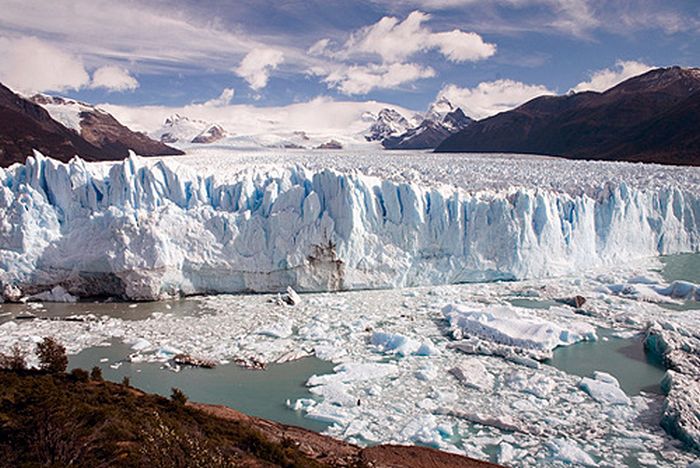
[513,327]
[142,229]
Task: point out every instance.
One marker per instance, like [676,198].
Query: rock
[576,302]
[210,135]
[188,360]
[330,144]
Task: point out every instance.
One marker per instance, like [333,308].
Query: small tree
[126,381]
[178,397]
[52,356]
[96,374]
[16,360]
[80,375]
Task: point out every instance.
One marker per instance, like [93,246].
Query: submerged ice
[142,230]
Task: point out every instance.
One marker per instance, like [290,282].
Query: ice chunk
[605,389]
[57,294]
[281,329]
[141,345]
[568,452]
[472,373]
[514,327]
[402,345]
[355,371]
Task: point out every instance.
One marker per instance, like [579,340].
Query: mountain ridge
[93,135]
[626,122]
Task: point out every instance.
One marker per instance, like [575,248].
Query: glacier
[144,229]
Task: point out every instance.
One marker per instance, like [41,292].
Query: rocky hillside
[26,125]
[77,419]
[653,117]
[101,129]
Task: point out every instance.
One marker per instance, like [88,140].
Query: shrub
[178,397]
[80,375]
[96,374]
[16,360]
[52,356]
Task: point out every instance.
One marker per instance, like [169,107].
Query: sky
[484,55]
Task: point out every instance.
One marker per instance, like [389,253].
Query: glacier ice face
[143,229]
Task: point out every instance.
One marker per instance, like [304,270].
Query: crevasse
[141,230]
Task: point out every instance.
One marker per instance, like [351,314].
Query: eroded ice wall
[140,230]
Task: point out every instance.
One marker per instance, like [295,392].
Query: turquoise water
[624,358]
[533,303]
[255,392]
[122,310]
[684,267]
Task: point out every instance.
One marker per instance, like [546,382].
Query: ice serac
[142,229]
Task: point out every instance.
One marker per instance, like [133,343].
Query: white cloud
[322,118]
[602,80]
[395,41]
[155,37]
[491,97]
[113,78]
[31,65]
[320,47]
[224,98]
[257,65]
[361,79]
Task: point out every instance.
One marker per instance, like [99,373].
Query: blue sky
[490,54]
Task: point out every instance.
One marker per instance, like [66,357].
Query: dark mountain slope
[25,126]
[652,117]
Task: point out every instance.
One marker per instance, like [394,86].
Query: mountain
[387,123]
[182,129]
[25,126]
[93,134]
[652,117]
[442,120]
[101,129]
[210,134]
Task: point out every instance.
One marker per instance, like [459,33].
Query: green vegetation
[50,418]
[59,419]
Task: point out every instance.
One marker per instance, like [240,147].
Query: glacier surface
[143,229]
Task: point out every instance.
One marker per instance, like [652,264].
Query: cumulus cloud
[386,47]
[30,65]
[224,98]
[394,41]
[602,80]
[256,66]
[113,78]
[361,79]
[491,97]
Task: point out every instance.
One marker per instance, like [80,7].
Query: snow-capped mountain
[65,128]
[210,134]
[387,123]
[440,121]
[180,129]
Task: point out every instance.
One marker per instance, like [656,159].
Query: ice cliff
[142,229]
